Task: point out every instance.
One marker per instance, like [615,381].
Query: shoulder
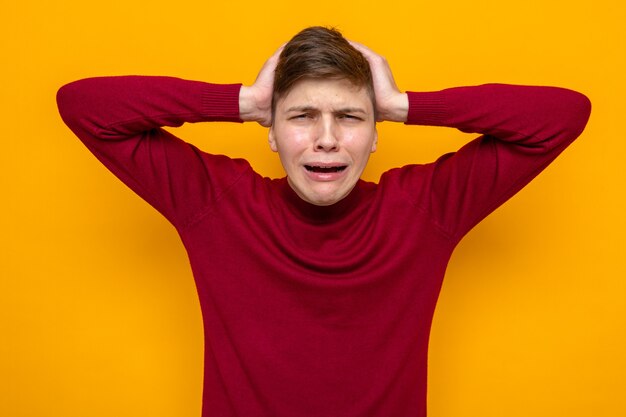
[224,165]
[410,184]
[406,177]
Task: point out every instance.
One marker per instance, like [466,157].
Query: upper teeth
[324,169]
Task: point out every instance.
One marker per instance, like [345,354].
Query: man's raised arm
[523,129]
[120,120]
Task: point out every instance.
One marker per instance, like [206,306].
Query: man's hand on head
[255,101]
[391,104]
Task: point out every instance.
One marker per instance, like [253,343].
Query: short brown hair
[320,53]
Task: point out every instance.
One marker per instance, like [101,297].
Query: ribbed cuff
[220,102]
[427,108]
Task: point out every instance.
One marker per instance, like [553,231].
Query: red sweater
[318,311]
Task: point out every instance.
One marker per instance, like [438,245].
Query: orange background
[98,311]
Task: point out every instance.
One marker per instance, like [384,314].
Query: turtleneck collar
[323,214]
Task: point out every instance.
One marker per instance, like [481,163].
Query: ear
[272,139]
[375,141]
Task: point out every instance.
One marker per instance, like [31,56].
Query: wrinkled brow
[307,108]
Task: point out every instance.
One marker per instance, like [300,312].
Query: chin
[325,202]
[325,199]
[321,194]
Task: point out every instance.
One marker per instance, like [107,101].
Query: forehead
[325,93]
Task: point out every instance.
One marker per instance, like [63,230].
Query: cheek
[292,140]
[359,141]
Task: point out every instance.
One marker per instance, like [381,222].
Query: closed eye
[349,117]
[301,116]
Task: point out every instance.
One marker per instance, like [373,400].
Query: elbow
[578,111]
[75,103]
[585,112]
[68,103]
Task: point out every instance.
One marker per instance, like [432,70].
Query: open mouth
[325,169]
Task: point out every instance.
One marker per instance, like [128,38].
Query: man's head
[323,115]
[320,53]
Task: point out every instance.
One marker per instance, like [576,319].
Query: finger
[267,70]
[367,52]
[277,53]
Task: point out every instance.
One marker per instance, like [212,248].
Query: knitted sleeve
[120,120]
[523,128]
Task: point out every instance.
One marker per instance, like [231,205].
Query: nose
[327,140]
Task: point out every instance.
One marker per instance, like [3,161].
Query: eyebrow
[340,110]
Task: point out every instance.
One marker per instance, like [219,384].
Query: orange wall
[98,314]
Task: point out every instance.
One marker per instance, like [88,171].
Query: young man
[318,289]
